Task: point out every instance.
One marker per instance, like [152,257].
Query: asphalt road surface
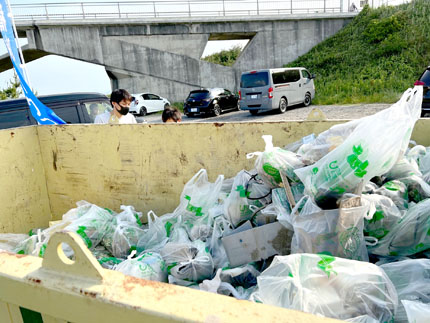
[337,112]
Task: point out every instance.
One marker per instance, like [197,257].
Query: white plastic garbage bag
[409,236]
[403,168]
[383,214]
[328,286]
[75,213]
[314,150]
[197,198]
[123,232]
[417,312]
[334,232]
[91,226]
[150,266]
[274,160]
[125,239]
[9,241]
[397,191]
[411,278]
[216,248]
[155,236]
[242,196]
[188,261]
[371,149]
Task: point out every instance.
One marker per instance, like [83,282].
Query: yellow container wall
[147,165]
[47,169]
[24,202]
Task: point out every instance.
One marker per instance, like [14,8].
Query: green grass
[375,58]
[224,57]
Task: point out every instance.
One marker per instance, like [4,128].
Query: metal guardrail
[178,8]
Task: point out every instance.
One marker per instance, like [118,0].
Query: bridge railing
[178,8]
[187,8]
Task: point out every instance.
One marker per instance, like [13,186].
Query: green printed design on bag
[81,232]
[42,251]
[325,262]
[21,252]
[192,208]
[379,215]
[428,232]
[355,163]
[109,210]
[290,275]
[391,186]
[169,267]
[315,170]
[272,171]
[337,190]
[168,226]
[420,247]
[30,233]
[242,191]
[138,219]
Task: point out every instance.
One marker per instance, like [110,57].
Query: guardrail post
[258,8]
[223,8]
[291,6]
[189,8]
[324,4]
[119,11]
[83,12]
[46,12]
[155,13]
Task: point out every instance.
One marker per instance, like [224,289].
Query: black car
[210,101]
[72,108]
[424,80]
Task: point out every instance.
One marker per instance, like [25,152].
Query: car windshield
[426,78]
[199,95]
[254,79]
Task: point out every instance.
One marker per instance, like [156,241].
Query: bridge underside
[164,58]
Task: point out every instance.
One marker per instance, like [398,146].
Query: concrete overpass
[164,56]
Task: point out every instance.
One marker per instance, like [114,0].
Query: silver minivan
[276,89]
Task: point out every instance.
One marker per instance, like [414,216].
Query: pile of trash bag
[356,199]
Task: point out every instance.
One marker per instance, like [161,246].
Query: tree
[13,90]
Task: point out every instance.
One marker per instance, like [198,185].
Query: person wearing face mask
[120,101]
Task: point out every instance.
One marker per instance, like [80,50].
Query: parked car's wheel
[165,106]
[216,110]
[283,105]
[143,111]
[253,112]
[307,100]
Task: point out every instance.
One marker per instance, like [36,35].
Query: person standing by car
[120,101]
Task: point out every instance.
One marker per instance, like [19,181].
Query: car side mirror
[313,76]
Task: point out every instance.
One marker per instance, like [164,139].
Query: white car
[146,103]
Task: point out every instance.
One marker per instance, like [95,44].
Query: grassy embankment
[373,59]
